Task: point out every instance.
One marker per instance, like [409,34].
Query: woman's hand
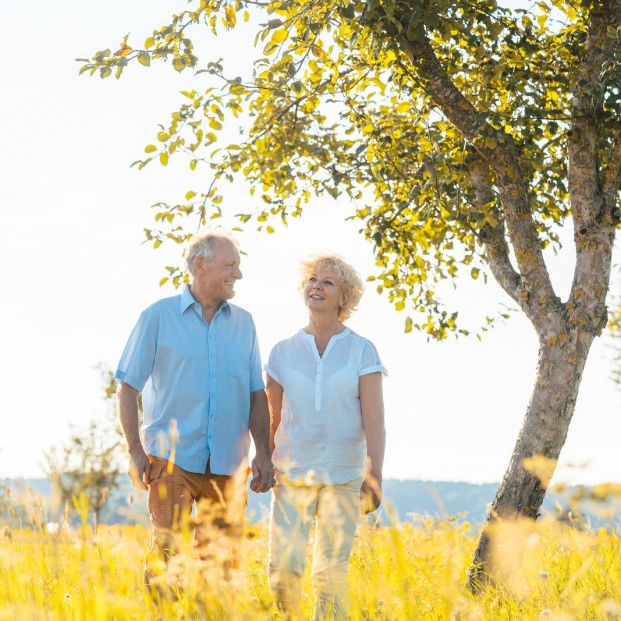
[370,494]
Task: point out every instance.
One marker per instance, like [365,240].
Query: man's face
[217,277]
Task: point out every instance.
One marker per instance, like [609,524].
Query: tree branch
[586,104]
[493,237]
[593,222]
[503,156]
[612,174]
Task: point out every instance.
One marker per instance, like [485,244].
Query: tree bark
[543,434]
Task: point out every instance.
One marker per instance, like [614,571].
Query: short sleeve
[256,377]
[138,357]
[370,361]
[272,366]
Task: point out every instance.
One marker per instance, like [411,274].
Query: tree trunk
[559,371]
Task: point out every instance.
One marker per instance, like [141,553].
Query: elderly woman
[324,386]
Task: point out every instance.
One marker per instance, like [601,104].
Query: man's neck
[209,304]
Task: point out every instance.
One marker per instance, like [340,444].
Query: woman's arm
[372,407]
[274,398]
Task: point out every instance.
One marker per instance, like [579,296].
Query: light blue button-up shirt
[199,375]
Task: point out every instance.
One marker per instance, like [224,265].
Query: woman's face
[322,292]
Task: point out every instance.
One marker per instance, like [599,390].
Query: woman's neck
[322,325]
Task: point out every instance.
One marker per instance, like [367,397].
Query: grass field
[410,572]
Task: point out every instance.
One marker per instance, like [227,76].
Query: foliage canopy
[345,99]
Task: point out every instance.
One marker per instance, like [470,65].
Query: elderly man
[195,358]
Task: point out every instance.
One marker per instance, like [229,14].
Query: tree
[88,462]
[467,133]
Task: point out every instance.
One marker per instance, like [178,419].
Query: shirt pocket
[237,360]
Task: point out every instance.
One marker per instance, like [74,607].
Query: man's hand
[262,473]
[370,494]
[139,468]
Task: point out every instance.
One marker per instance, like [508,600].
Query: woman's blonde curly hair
[346,276]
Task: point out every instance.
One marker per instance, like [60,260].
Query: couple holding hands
[195,359]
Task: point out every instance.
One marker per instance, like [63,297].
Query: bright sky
[77,274]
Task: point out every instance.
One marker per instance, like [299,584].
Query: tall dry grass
[406,572]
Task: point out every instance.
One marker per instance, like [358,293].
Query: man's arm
[259,424]
[372,407]
[139,468]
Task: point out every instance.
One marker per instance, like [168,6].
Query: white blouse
[320,438]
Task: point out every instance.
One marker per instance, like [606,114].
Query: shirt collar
[187,299]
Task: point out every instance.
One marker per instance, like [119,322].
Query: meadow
[410,571]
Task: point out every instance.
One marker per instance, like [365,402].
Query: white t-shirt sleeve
[370,361]
[272,366]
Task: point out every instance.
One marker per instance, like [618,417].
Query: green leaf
[178,63]
[144,58]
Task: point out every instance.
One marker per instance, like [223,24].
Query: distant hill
[403,500]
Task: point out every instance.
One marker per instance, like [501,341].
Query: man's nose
[238,274]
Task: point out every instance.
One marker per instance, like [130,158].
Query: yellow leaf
[150,148]
[162,136]
[214,124]
[149,42]
[280,35]
[124,51]
[230,16]
[164,158]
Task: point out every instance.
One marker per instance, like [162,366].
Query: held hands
[370,493]
[262,473]
[139,469]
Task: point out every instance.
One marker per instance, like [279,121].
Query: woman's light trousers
[335,509]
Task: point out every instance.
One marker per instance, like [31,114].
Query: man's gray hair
[204,245]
